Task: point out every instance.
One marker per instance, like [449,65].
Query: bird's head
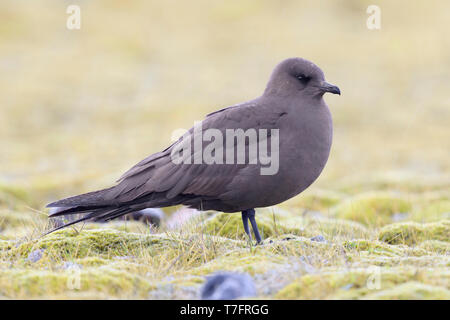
[297,76]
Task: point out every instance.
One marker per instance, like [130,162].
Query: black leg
[250,215]
[245,222]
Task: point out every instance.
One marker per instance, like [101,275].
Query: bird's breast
[305,143]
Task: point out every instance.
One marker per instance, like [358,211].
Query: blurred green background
[78,107]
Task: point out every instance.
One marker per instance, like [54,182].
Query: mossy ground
[353,258]
[78,107]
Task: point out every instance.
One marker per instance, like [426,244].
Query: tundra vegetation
[338,252]
[78,107]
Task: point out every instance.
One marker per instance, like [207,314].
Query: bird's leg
[250,215]
[245,222]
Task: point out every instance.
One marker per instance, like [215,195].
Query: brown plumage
[292,103]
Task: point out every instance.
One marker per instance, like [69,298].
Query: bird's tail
[95,198]
[102,214]
[93,205]
[102,206]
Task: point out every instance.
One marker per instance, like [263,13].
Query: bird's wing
[158,173]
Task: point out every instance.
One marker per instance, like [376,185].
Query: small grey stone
[35,256]
[347,287]
[313,214]
[227,286]
[70,265]
[124,257]
[399,216]
[152,216]
[318,238]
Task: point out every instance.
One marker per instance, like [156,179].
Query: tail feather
[86,217]
[73,210]
[98,209]
[99,214]
[95,198]
[112,214]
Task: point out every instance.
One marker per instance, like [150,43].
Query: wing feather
[157,173]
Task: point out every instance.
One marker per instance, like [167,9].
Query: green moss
[317,200]
[184,281]
[335,229]
[5,245]
[418,261]
[92,261]
[371,248]
[432,211]
[411,290]
[160,251]
[230,225]
[240,261]
[52,95]
[374,247]
[18,224]
[372,209]
[120,225]
[279,222]
[439,247]
[12,195]
[12,219]
[293,245]
[300,249]
[103,242]
[355,283]
[394,180]
[410,233]
[326,285]
[36,283]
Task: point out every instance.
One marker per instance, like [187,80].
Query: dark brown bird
[291,109]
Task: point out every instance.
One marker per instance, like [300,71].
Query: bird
[291,113]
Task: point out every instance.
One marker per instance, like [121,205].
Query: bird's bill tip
[328,87]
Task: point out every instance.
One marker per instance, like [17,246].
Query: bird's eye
[303,79]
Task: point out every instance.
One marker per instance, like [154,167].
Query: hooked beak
[327,87]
